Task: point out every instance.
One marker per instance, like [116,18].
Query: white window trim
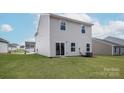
[73,47]
[84,28]
[62,20]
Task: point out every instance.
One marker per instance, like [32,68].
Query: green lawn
[18,51]
[36,66]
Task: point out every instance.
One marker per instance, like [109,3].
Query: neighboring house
[30,46]
[61,36]
[104,47]
[22,47]
[3,46]
[13,47]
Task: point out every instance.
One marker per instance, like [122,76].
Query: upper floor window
[82,29]
[63,25]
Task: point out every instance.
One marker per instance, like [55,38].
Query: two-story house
[61,36]
[30,46]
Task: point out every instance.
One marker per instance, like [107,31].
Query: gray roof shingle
[115,40]
[107,42]
[3,40]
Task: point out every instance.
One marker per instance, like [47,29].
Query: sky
[20,27]
[17,28]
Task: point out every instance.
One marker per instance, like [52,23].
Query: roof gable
[106,42]
[3,40]
[13,45]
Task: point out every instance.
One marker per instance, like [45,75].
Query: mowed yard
[13,66]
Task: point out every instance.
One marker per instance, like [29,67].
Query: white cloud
[117,26]
[100,31]
[97,29]
[6,27]
[113,28]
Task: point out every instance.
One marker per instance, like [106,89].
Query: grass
[18,51]
[39,67]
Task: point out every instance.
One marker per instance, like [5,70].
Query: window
[57,48]
[63,25]
[72,47]
[88,47]
[60,49]
[82,29]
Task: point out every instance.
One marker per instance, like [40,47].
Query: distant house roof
[13,45]
[29,44]
[115,40]
[106,42]
[3,40]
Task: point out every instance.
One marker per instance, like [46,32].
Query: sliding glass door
[60,49]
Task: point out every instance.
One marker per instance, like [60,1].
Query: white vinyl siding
[3,47]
